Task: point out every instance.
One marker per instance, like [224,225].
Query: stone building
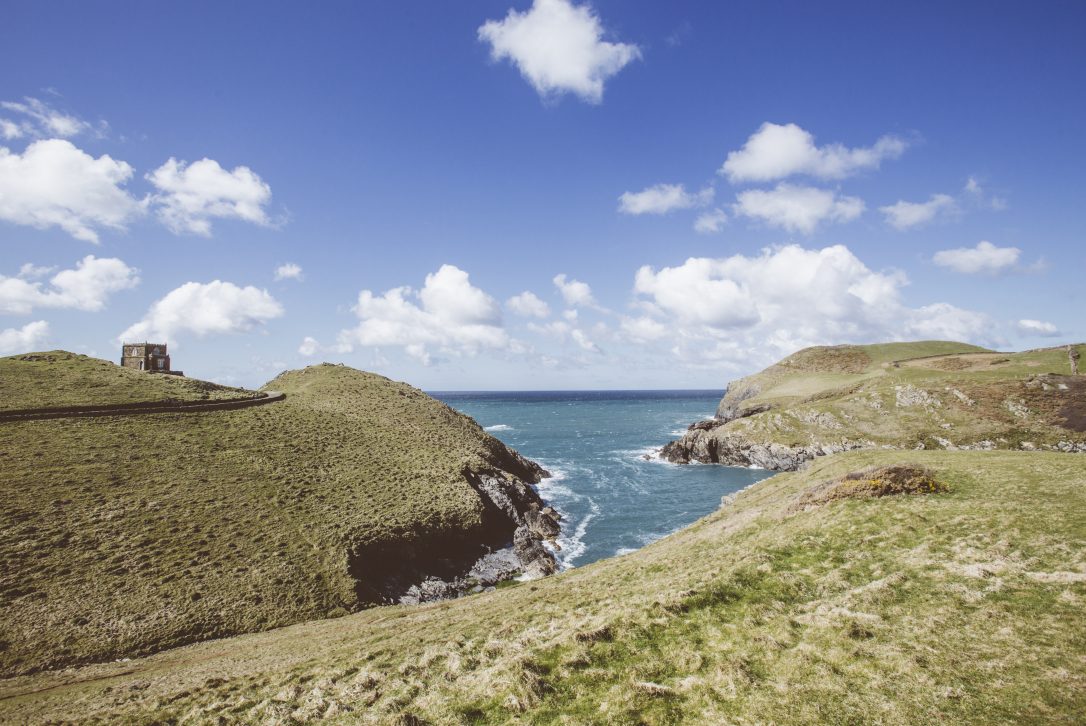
[147,357]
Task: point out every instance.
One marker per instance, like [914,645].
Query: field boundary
[145,407]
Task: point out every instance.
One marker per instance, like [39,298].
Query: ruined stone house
[146,356]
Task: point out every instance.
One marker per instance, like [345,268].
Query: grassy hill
[127,535]
[902,395]
[57,378]
[806,599]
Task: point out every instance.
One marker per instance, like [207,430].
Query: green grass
[126,535]
[956,607]
[856,393]
[57,378]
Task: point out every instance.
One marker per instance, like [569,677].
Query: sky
[538,194]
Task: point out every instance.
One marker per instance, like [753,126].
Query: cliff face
[901,396]
[126,535]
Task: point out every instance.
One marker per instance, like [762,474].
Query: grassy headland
[900,395]
[122,536]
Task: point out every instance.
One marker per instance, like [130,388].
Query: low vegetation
[57,378]
[123,536]
[961,604]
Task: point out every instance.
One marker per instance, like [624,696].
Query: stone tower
[146,357]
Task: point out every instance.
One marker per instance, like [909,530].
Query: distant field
[127,535]
[962,607]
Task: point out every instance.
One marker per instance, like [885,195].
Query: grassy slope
[852,392]
[58,378]
[128,535]
[964,607]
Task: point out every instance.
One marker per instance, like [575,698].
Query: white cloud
[778,151]
[309,346]
[212,308]
[191,195]
[38,119]
[643,329]
[903,215]
[574,292]
[564,330]
[710,222]
[87,287]
[288,271]
[30,271]
[558,47]
[661,199]
[797,208]
[528,305]
[450,314]
[979,196]
[582,340]
[9,129]
[27,338]
[782,300]
[53,183]
[1039,328]
[984,258]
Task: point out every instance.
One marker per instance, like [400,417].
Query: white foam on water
[574,545]
[625,551]
[498,427]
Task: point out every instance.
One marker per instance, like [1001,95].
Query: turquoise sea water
[612,500]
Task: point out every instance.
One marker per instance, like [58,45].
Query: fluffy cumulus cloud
[55,184]
[20,340]
[32,117]
[661,199]
[559,48]
[190,196]
[797,208]
[288,271]
[309,347]
[985,258]
[528,305]
[781,300]
[778,151]
[85,287]
[574,292]
[205,308]
[1039,328]
[903,215]
[448,314]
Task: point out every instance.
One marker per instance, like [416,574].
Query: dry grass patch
[873,482]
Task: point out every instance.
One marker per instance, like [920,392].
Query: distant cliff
[940,395]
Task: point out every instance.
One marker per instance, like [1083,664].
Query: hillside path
[134,409]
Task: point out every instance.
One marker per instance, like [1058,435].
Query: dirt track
[134,409]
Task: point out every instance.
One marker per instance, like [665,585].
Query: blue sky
[728,181]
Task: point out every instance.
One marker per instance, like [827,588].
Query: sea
[613,500]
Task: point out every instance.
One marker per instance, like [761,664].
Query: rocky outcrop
[717,447]
[517,524]
[734,396]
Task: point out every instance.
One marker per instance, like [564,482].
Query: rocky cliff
[823,400]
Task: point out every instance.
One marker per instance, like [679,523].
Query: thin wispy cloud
[663,198]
